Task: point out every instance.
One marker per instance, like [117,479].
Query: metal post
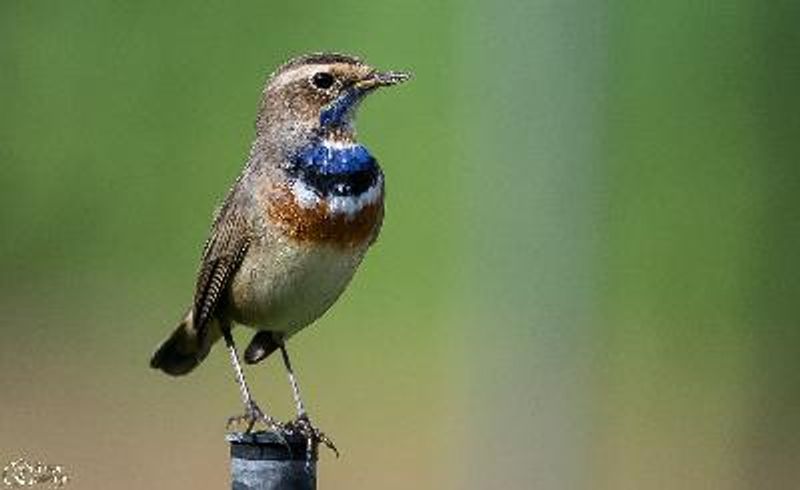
[269,461]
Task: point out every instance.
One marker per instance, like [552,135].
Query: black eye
[322,80]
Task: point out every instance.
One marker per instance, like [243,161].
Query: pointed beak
[378,79]
[340,109]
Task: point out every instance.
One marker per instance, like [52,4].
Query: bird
[292,230]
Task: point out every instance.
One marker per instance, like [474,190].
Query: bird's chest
[283,284]
[339,222]
[332,195]
[318,224]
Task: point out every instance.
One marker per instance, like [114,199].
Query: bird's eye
[322,80]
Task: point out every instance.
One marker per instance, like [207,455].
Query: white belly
[283,285]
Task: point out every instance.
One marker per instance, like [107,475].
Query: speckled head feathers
[319,93]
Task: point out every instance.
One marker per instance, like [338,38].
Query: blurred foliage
[588,267]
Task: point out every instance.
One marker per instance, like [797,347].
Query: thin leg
[298,402]
[302,424]
[237,368]
[252,412]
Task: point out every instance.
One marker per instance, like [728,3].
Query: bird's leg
[252,412]
[302,424]
[298,401]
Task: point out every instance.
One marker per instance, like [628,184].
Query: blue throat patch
[336,112]
[331,171]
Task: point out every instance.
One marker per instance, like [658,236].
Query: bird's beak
[378,79]
[340,110]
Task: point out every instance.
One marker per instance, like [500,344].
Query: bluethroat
[294,227]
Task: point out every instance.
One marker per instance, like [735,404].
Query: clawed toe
[303,426]
[252,415]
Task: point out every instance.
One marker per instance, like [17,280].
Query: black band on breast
[336,171]
[340,184]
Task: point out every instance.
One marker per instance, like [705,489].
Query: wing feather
[222,256]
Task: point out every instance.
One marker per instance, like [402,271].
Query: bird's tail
[185,348]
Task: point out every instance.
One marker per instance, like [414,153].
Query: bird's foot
[302,425]
[251,416]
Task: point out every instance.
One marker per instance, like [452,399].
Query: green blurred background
[588,276]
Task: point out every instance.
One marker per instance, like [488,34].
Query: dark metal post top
[272,461]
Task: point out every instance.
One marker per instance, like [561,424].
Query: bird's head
[317,95]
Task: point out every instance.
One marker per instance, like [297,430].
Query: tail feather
[184,349]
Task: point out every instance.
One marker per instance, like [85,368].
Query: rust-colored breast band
[318,225]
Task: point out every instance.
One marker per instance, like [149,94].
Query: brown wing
[223,253]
